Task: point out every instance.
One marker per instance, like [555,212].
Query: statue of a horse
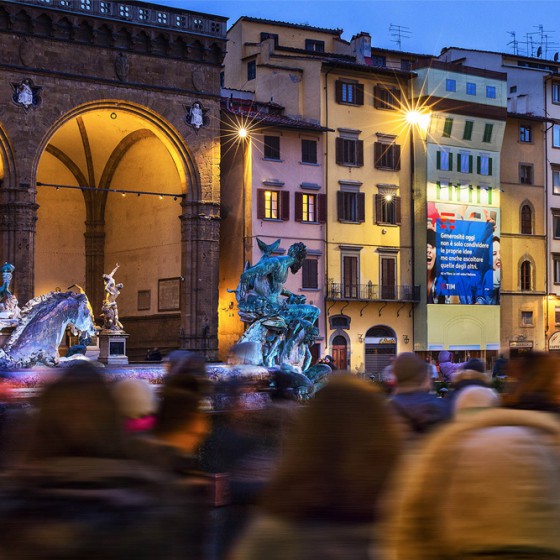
[42,325]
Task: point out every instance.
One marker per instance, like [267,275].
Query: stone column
[18,220]
[200,230]
[95,257]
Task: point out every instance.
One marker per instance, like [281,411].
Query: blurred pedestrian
[323,500]
[136,403]
[447,367]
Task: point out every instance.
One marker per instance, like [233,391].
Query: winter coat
[448,370]
[420,411]
[486,486]
[84,509]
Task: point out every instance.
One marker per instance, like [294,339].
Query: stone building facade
[110,153]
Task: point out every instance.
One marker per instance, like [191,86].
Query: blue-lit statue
[280,322]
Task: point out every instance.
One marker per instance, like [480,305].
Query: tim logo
[444,286]
[447,220]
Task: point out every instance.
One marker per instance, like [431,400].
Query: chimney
[360,46]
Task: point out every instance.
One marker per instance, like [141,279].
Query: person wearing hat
[446,366]
[418,409]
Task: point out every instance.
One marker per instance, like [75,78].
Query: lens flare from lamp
[388,197]
[242,132]
[418,118]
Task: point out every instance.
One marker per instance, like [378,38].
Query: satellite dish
[539,52]
[555,57]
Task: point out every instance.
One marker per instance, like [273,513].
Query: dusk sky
[432,24]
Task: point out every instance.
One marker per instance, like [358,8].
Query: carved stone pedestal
[112,348]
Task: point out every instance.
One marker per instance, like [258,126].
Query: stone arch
[123,39]
[23,22]
[104,36]
[7,163]
[380,347]
[64,29]
[5,22]
[43,25]
[84,32]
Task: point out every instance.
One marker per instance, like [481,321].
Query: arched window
[525,275]
[526,219]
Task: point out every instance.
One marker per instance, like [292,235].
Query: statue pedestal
[112,348]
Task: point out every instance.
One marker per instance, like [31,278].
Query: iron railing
[372,292]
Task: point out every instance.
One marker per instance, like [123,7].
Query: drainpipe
[546,219]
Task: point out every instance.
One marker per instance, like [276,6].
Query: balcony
[372,292]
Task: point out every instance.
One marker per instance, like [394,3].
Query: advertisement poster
[463,254]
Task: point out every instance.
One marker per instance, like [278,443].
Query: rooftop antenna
[514,43]
[399,32]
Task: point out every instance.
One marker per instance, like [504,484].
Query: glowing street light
[418,118]
[242,132]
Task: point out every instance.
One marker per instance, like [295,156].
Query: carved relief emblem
[122,66]
[197,116]
[26,94]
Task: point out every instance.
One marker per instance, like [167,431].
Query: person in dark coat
[418,409]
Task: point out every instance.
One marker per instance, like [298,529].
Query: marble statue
[9,308]
[281,323]
[109,310]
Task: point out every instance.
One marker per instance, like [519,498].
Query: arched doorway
[84,231]
[339,349]
[380,348]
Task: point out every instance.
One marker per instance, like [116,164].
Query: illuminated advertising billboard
[463,254]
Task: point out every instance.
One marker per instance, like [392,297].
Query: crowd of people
[98,469]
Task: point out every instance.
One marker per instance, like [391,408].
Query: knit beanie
[409,369]
[444,356]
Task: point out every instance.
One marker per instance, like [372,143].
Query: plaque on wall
[169,290]
[144,300]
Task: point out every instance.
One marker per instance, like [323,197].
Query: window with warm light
[388,209]
[273,205]
[308,207]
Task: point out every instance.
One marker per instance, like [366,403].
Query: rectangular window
[525,133]
[351,206]
[484,165]
[85,5]
[556,93]
[556,267]
[386,98]
[444,160]
[309,274]
[526,173]
[387,156]
[105,8]
[556,135]
[349,151]
[124,11]
[388,267]
[556,180]
[309,151]
[447,127]
[467,133]
[556,225]
[272,147]
[161,17]
[350,93]
[450,85]
[491,92]
[465,163]
[387,209]
[471,88]
[251,70]
[350,274]
[513,89]
[557,315]
[273,205]
[406,65]
[379,61]
[487,137]
[527,318]
[315,46]
[308,207]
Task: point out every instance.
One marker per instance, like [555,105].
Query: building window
[309,274]
[444,160]
[491,92]
[309,151]
[161,18]
[85,5]
[386,98]
[447,127]
[526,173]
[471,88]
[556,93]
[377,60]
[315,46]
[556,266]
[465,163]
[487,137]
[526,220]
[525,276]
[310,208]
[272,147]
[388,279]
[387,209]
[556,180]
[406,65]
[105,8]
[349,151]
[556,224]
[557,315]
[251,70]
[124,11]
[273,205]
[484,165]
[525,133]
[526,318]
[351,206]
[387,156]
[350,276]
[467,133]
[351,93]
[556,135]
[513,89]
[450,85]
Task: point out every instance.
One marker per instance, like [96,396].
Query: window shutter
[361,207]
[340,205]
[478,164]
[470,164]
[360,152]
[397,200]
[397,157]
[338,91]
[396,98]
[359,94]
[260,204]
[377,97]
[309,274]
[377,153]
[284,206]
[438,160]
[489,166]
[298,210]
[339,151]
[378,208]
[450,162]
[322,207]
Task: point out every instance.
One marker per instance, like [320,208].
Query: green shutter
[450,162]
[478,164]
[490,195]
[470,164]
[438,160]
[489,166]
